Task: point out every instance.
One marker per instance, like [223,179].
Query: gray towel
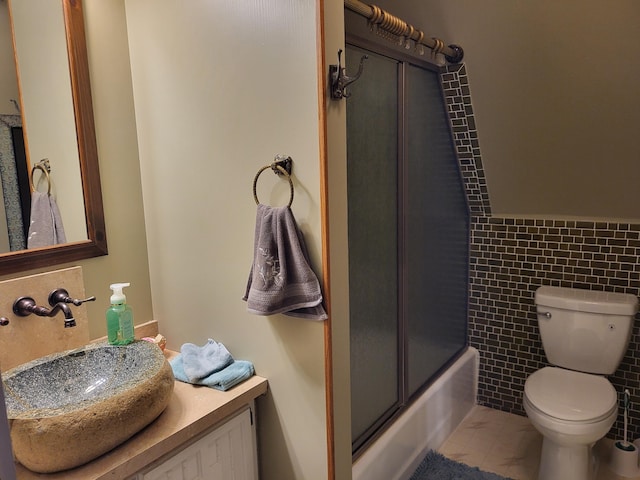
[200,362]
[46,227]
[281,280]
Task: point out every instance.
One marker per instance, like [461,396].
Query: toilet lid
[569,395]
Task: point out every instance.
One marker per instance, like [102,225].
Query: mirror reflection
[39,158]
[47,137]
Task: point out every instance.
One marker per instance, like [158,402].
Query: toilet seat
[570,396]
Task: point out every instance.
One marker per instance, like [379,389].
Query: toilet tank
[585,330]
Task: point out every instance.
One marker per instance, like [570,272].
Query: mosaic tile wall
[455,84]
[510,258]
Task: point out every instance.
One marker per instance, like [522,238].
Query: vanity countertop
[191,411]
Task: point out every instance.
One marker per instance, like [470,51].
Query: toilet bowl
[572,404]
[572,410]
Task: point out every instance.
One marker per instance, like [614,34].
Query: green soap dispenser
[119,317]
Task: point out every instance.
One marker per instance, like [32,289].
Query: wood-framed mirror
[95,242]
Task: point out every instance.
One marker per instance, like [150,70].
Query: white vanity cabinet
[227,452]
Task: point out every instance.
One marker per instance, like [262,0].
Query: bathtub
[425,425]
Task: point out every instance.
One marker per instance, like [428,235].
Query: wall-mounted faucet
[58,299]
[25,306]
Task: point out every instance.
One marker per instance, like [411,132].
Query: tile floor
[506,444]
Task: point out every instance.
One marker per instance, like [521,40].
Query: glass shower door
[372,144]
[408,238]
[436,233]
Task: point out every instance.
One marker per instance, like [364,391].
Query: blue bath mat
[438,467]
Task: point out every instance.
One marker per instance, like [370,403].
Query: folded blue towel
[200,362]
[238,371]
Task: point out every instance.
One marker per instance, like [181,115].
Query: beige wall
[556,97]
[219,89]
[219,92]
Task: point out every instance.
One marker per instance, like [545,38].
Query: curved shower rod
[382,19]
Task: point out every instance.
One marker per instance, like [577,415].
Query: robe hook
[339,79]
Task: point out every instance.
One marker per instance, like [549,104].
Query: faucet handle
[60,295]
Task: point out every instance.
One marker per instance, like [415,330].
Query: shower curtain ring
[407,44]
[419,46]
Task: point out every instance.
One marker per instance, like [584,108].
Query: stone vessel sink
[68,408]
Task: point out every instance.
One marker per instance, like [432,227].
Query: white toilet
[585,334]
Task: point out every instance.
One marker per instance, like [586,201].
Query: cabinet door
[227,453]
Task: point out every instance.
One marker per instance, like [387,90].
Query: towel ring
[280,171]
[44,170]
